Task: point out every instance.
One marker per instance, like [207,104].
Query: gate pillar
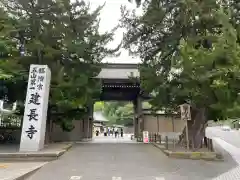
[137,104]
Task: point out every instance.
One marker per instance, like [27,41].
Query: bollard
[201,145]
[160,139]
[166,142]
[205,142]
[211,145]
[208,144]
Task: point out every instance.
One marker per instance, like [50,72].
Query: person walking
[121,132]
[105,131]
[112,131]
[108,131]
[116,132]
[97,132]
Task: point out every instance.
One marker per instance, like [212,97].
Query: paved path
[13,170]
[232,137]
[229,141]
[235,153]
[125,161]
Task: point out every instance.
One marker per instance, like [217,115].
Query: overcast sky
[109,19]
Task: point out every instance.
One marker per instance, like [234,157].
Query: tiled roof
[111,73]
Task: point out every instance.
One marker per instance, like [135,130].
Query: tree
[125,114]
[64,35]
[10,72]
[99,106]
[190,53]
[119,112]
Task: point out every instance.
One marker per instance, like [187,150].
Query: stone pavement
[126,161]
[15,170]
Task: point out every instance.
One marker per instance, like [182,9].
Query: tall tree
[64,35]
[10,72]
[190,53]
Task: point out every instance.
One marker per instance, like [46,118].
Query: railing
[166,140]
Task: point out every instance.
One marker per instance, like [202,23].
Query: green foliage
[119,112]
[63,35]
[190,51]
[99,106]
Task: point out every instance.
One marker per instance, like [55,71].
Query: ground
[127,161]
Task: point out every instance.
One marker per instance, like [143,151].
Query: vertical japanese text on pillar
[37,76]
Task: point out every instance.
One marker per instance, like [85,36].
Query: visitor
[97,132]
[112,131]
[121,132]
[116,132]
[105,131]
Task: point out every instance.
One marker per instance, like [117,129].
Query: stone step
[30,156]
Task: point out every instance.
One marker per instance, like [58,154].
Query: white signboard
[185,112]
[145,137]
[36,104]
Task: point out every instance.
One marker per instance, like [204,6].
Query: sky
[109,16]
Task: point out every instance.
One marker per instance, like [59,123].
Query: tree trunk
[196,129]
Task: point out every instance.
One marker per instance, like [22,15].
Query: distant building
[99,121]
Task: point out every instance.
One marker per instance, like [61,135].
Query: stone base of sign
[207,156]
[49,153]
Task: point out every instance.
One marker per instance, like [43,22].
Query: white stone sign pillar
[36,105]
